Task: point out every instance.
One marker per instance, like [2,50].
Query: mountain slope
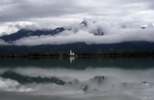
[27,32]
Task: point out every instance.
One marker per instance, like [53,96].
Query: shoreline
[85,55]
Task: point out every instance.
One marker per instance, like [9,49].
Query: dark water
[77,79]
[79,64]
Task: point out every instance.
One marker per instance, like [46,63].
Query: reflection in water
[77,79]
[74,63]
[72,59]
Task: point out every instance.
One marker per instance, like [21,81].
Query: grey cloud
[88,38]
[47,12]
[82,34]
[25,9]
[113,13]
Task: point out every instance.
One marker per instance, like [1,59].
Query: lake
[77,79]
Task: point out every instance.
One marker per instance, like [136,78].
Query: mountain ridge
[27,32]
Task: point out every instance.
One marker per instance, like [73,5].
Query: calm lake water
[77,79]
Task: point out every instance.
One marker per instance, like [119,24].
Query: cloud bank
[86,34]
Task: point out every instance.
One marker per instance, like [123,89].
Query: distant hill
[127,49]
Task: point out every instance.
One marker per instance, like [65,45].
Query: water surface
[77,79]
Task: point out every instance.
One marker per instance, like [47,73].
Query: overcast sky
[68,11]
[49,13]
